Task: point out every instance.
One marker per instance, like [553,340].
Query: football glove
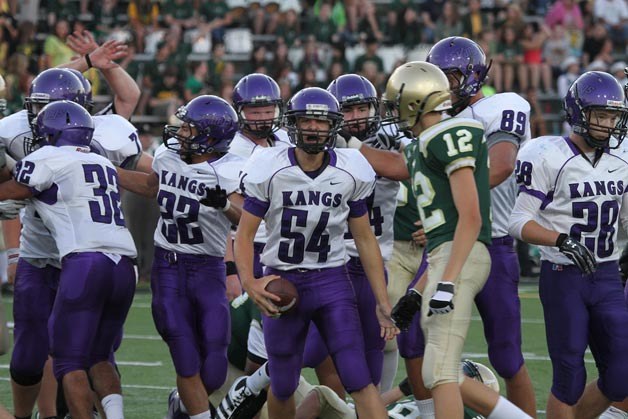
[346,140]
[442,300]
[403,312]
[578,253]
[386,141]
[10,209]
[216,198]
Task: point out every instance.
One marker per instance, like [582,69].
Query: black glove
[403,312]
[577,253]
[215,198]
[386,141]
[442,300]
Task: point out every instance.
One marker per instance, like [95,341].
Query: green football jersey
[406,213]
[439,151]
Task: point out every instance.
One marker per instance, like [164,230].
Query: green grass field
[148,375]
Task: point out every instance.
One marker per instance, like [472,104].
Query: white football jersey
[244,147]
[114,138]
[576,197]
[305,217]
[78,199]
[382,205]
[186,226]
[502,113]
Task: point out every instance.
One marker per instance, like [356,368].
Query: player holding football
[571,198]
[306,195]
[195,182]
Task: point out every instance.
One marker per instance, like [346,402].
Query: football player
[97,281]
[449,169]
[196,184]
[506,121]
[571,198]
[360,107]
[306,194]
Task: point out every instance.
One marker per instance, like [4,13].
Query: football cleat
[240,402]
[174,406]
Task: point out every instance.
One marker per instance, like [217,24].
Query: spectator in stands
[322,26]
[226,91]
[510,57]
[61,10]
[475,21]
[216,65]
[514,20]
[4,46]
[195,85]
[390,27]
[534,68]
[312,59]
[18,79]
[281,60]
[55,50]
[614,15]
[370,55]
[448,24]
[338,56]
[166,96]
[556,50]
[257,15]
[180,13]
[216,15]
[258,59]
[567,13]
[430,11]
[307,78]
[488,42]
[27,45]
[571,71]
[106,18]
[594,40]
[335,71]
[289,28]
[143,17]
[361,15]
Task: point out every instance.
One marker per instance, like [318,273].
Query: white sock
[259,380]
[426,408]
[506,410]
[204,415]
[113,406]
[389,370]
[614,413]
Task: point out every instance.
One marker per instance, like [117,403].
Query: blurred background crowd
[179,49]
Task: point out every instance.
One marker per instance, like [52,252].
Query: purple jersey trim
[545,199]
[572,146]
[292,157]
[47,196]
[357,208]
[255,206]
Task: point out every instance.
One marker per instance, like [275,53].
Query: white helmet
[481,373]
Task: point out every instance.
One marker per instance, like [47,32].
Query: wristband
[88,61]
[561,238]
[13,254]
[226,207]
[231,268]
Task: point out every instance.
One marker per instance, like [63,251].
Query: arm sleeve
[499,137]
[525,209]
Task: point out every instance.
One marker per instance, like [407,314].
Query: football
[285,290]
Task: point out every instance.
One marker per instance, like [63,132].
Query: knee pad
[568,383]
[613,384]
[412,342]
[214,369]
[25,380]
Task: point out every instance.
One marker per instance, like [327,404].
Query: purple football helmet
[89,101]
[313,103]
[62,123]
[351,90]
[215,122]
[258,90]
[465,60]
[596,90]
[50,85]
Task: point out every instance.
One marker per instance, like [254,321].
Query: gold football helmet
[413,89]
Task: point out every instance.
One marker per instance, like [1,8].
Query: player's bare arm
[140,183]
[236,201]
[14,190]
[389,164]
[371,258]
[243,252]
[465,195]
[144,163]
[502,157]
